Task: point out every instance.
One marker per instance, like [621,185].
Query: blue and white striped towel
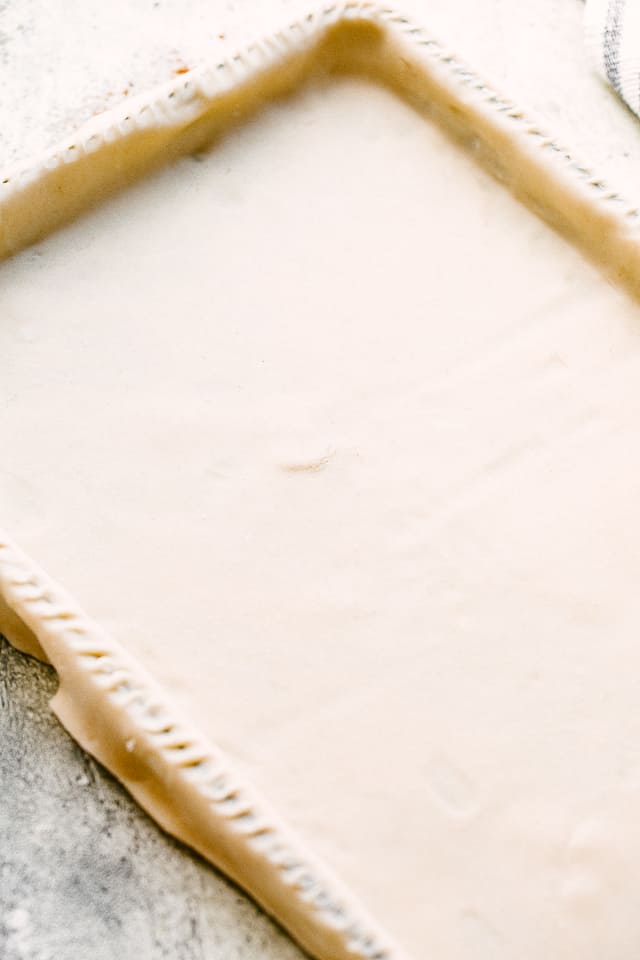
[613,36]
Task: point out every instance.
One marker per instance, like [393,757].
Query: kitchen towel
[613,36]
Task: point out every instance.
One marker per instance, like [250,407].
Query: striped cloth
[613,36]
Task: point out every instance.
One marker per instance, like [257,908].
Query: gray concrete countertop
[83,872]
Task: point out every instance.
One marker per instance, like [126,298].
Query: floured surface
[340,441]
[60,76]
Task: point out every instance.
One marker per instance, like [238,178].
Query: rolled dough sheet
[341,442]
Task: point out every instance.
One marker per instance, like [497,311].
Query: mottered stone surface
[84,873]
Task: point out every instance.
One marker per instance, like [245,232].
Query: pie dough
[337,440]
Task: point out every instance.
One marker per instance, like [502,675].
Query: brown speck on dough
[313,465]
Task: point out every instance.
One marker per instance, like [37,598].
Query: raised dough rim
[106,700]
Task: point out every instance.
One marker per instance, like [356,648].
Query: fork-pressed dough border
[107,701]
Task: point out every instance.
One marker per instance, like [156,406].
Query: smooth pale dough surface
[342,442]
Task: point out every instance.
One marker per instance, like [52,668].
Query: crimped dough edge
[106,700]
